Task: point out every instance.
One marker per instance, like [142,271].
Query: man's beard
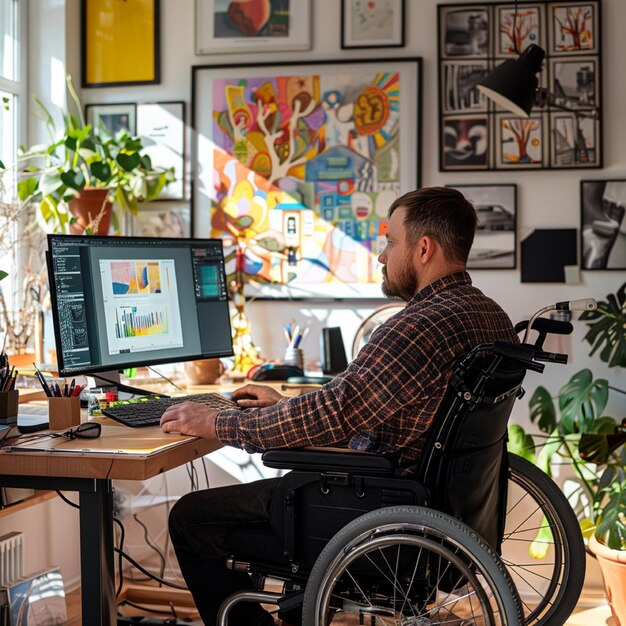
[405,286]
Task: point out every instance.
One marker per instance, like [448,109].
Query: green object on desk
[130,372]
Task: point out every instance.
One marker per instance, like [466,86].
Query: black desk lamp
[513,84]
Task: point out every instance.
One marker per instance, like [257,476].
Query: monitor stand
[112,377]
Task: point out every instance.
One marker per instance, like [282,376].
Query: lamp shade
[513,84]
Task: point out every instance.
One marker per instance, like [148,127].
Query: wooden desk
[90,475]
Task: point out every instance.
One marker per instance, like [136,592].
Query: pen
[65,389]
[70,393]
[42,382]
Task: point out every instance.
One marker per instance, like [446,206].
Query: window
[10,78]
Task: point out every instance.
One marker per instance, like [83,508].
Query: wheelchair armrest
[329,460]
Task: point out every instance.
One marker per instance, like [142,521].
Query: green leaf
[128,162]
[521,443]
[542,410]
[101,171]
[4,168]
[74,179]
[581,401]
[26,188]
[606,329]
[3,274]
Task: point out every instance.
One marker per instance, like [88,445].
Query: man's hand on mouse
[250,396]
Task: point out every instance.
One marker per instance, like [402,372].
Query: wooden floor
[598,616]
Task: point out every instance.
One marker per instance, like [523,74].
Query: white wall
[546,199]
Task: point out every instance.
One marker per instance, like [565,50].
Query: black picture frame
[495,242]
[396,20]
[565,132]
[603,224]
[107,56]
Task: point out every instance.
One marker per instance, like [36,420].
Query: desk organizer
[8,406]
[63,412]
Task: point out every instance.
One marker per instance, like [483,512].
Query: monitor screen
[120,302]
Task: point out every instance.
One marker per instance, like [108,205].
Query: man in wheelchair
[384,402]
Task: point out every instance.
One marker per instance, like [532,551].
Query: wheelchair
[353,543]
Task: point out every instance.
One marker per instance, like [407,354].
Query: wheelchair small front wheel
[409,566]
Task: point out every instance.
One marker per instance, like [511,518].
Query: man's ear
[426,249]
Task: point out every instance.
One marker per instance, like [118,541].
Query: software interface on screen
[123,302]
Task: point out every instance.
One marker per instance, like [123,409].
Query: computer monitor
[122,302]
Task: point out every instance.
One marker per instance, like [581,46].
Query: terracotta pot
[86,206]
[613,566]
[204,371]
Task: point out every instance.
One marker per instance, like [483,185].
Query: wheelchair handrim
[354,551]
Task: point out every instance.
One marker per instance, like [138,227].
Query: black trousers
[199,525]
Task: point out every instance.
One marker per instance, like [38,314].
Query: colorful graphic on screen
[140,305]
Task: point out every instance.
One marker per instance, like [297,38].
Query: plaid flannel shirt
[386,400]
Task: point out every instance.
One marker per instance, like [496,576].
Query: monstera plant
[575,432]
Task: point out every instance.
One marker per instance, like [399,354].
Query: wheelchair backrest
[464,462]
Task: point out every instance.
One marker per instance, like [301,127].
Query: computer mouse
[275,371]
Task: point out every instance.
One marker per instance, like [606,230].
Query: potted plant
[575,432]
[82,171]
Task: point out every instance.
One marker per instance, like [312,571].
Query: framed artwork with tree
[565,128]
[296,164]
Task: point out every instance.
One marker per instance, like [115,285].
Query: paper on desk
[113,440]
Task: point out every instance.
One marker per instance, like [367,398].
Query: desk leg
[96,555]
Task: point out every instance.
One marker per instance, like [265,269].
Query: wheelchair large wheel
[409,566]
[548,586]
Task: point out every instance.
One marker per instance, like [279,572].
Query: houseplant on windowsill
[77,177]
[580,436]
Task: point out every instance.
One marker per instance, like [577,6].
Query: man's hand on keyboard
[190,418]
[256,396]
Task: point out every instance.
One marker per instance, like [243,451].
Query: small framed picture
[575,82]
[465,142]
[495,242]
[161,220]
[458,82]
[603,224]
[272,25]
[520,142]
[113,117]
[464,31]
[575,138]
[515,31]
[574,27]
[161,128]
[372,24]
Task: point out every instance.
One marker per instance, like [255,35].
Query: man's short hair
[442,213]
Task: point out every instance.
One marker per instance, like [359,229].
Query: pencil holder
[294,356]
[63,412]
[8,406]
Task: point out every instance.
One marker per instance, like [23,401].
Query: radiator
[11,557]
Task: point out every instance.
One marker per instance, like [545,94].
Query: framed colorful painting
[378,24]
[298,165]
[252,26]
[120,43]
[495,242]
[565,128]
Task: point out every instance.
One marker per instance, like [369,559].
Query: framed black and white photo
[161,128]
[565,128]
[113,117]
[495,242]
[377,24]
[603,224]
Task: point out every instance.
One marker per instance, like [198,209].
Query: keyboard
[148,413]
